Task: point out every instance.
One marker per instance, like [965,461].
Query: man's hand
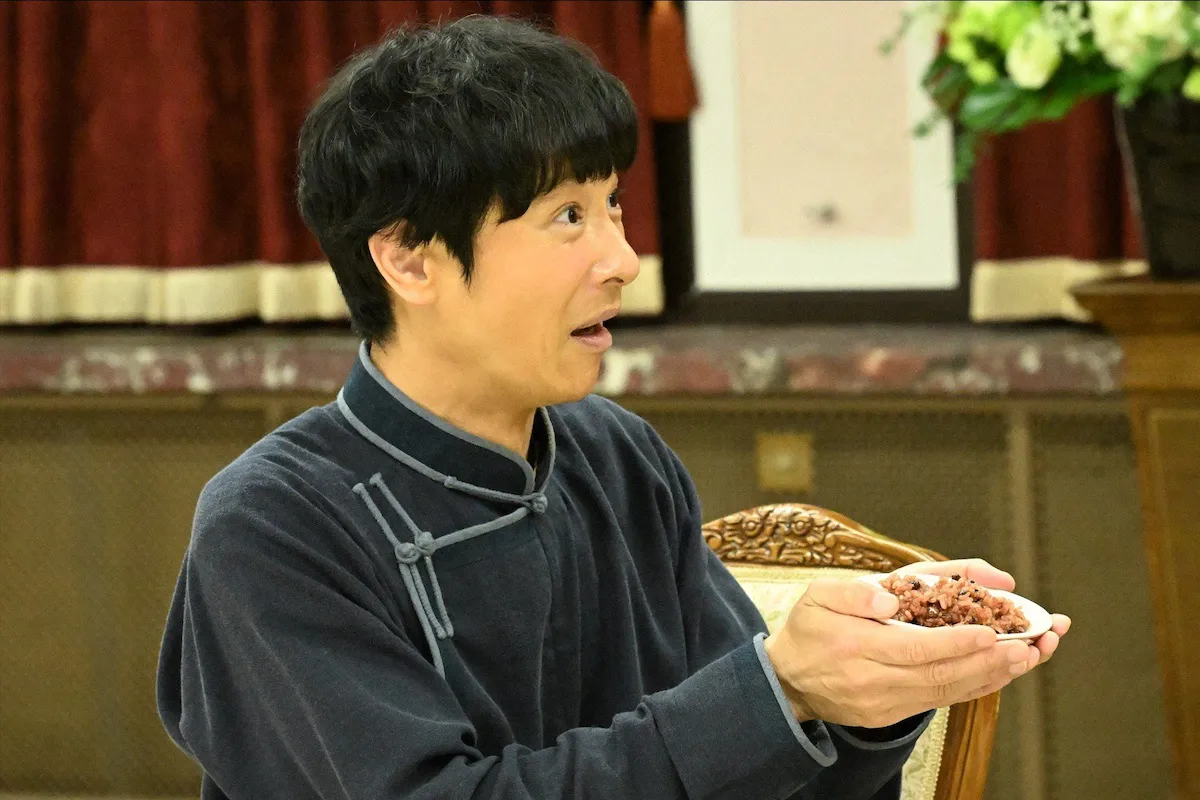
[837,663]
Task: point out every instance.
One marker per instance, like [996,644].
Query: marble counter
[660,360]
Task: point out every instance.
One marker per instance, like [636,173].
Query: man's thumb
[854,597]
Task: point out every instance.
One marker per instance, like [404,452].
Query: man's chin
[576,389]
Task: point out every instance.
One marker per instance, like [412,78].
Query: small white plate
[1039,618]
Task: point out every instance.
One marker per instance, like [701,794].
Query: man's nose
[619,264]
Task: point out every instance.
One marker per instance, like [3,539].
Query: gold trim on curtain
[1020,290]
[196,295]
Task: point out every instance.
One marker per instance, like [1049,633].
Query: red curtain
[1051,209]
[1056,189]
[162,133]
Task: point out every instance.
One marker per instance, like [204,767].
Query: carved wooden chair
[775,551]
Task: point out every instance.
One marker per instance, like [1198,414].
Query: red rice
[953,601]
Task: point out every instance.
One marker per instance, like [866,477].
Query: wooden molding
[1142,305]
[805,536]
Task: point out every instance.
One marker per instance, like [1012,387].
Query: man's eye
[569,215]
[614,199]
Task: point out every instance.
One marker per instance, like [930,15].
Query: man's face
[529,324]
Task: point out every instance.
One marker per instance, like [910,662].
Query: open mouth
[595,336]
[590,330]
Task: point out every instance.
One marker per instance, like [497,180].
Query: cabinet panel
[95,513]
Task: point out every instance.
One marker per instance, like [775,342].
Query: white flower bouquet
[1004,64]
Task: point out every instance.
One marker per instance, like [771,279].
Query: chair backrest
[775,551]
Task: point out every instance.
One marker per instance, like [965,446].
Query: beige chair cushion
[774,590]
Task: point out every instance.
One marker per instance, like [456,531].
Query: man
[467,578]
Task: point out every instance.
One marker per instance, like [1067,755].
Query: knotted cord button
[425,544]
[408,553]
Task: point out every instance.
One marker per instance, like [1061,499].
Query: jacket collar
[394,421]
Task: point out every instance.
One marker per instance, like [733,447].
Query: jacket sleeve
[284,675]
[863,764]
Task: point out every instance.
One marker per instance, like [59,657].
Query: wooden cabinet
[97,494]
[1159,327]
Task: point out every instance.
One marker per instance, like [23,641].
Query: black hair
[425,132]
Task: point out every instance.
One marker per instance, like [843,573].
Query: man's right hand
[837,663]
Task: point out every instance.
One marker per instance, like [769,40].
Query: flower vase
[1160,146]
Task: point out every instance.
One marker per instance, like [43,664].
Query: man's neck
[444,393]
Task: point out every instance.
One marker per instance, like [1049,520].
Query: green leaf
[927,124]
[950,87]
[986,107]
[1024,109]
[1147,62]
[941,62]
[1098,83]
[1073,84]
[965,146]
[1169,78]
[1058,107]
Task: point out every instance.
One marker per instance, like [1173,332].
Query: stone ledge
[661,360]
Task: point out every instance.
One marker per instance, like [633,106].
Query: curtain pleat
[142,140]
[1052,210]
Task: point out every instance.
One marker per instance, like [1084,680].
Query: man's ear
[404,268]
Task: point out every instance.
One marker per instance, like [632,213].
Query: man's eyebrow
[558,191]
[567,186]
